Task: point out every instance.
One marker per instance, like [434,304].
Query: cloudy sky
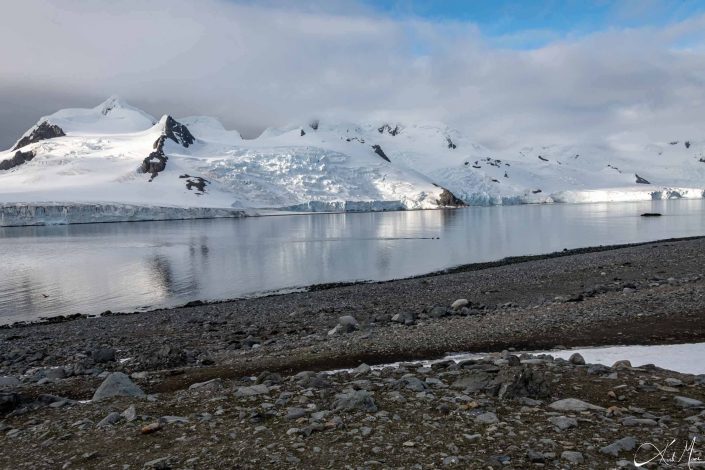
[506,72]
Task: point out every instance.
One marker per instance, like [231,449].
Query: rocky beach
[250,384]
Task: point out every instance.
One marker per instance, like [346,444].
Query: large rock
[577,359]
[117,384]
[573,404]
[9,382]
[413,383]
[563,422]
[685,402]
[102,355]
[253,390]
[346,324]
[9,401]
[477,380]
[486,418]
[516,382]
[573,457]
[359,400]
[624,444]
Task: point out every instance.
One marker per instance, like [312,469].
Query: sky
[508,73]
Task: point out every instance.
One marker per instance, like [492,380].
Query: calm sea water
[59,270]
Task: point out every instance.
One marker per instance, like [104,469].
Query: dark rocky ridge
[378,150]
[448,199]
[389,130]
[155,163]
[178,132]
[19,158]
[43,131]
[641,180]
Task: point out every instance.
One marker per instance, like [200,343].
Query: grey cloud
[257,64]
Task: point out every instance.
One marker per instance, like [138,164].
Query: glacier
[22,214]
[115,162]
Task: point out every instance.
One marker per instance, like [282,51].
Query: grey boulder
[117,384]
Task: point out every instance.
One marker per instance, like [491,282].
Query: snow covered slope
[115,162]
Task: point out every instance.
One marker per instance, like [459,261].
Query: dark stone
[448,199]
[451,145]
[543,159]
[102,355]
[314,124]
[303,133]
[438,312]
[378,150]
[9,401]
[516,382]
[641,180]
[687,144]
[43,131]
[18,159]
[651,214]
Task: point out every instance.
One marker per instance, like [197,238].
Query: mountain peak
[175,131]
[113,102]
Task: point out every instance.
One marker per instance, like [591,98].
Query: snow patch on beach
[683,358]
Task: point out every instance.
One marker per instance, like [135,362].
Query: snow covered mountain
[115,162]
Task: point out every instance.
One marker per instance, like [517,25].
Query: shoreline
[244,383]
[461,268]
[187,213]
[578,287]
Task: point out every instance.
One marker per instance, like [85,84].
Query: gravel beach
[238,384]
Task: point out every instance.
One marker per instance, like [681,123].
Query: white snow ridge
[117,163]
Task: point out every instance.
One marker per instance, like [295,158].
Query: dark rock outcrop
[543,159]
[451,145]
[303,133]
[448,199]
[517,382]
[378,150]
[155,163]
[314,124]
[196,182]
[641,180]
[389,130]
[178,132]
[19,158]
[43,131]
